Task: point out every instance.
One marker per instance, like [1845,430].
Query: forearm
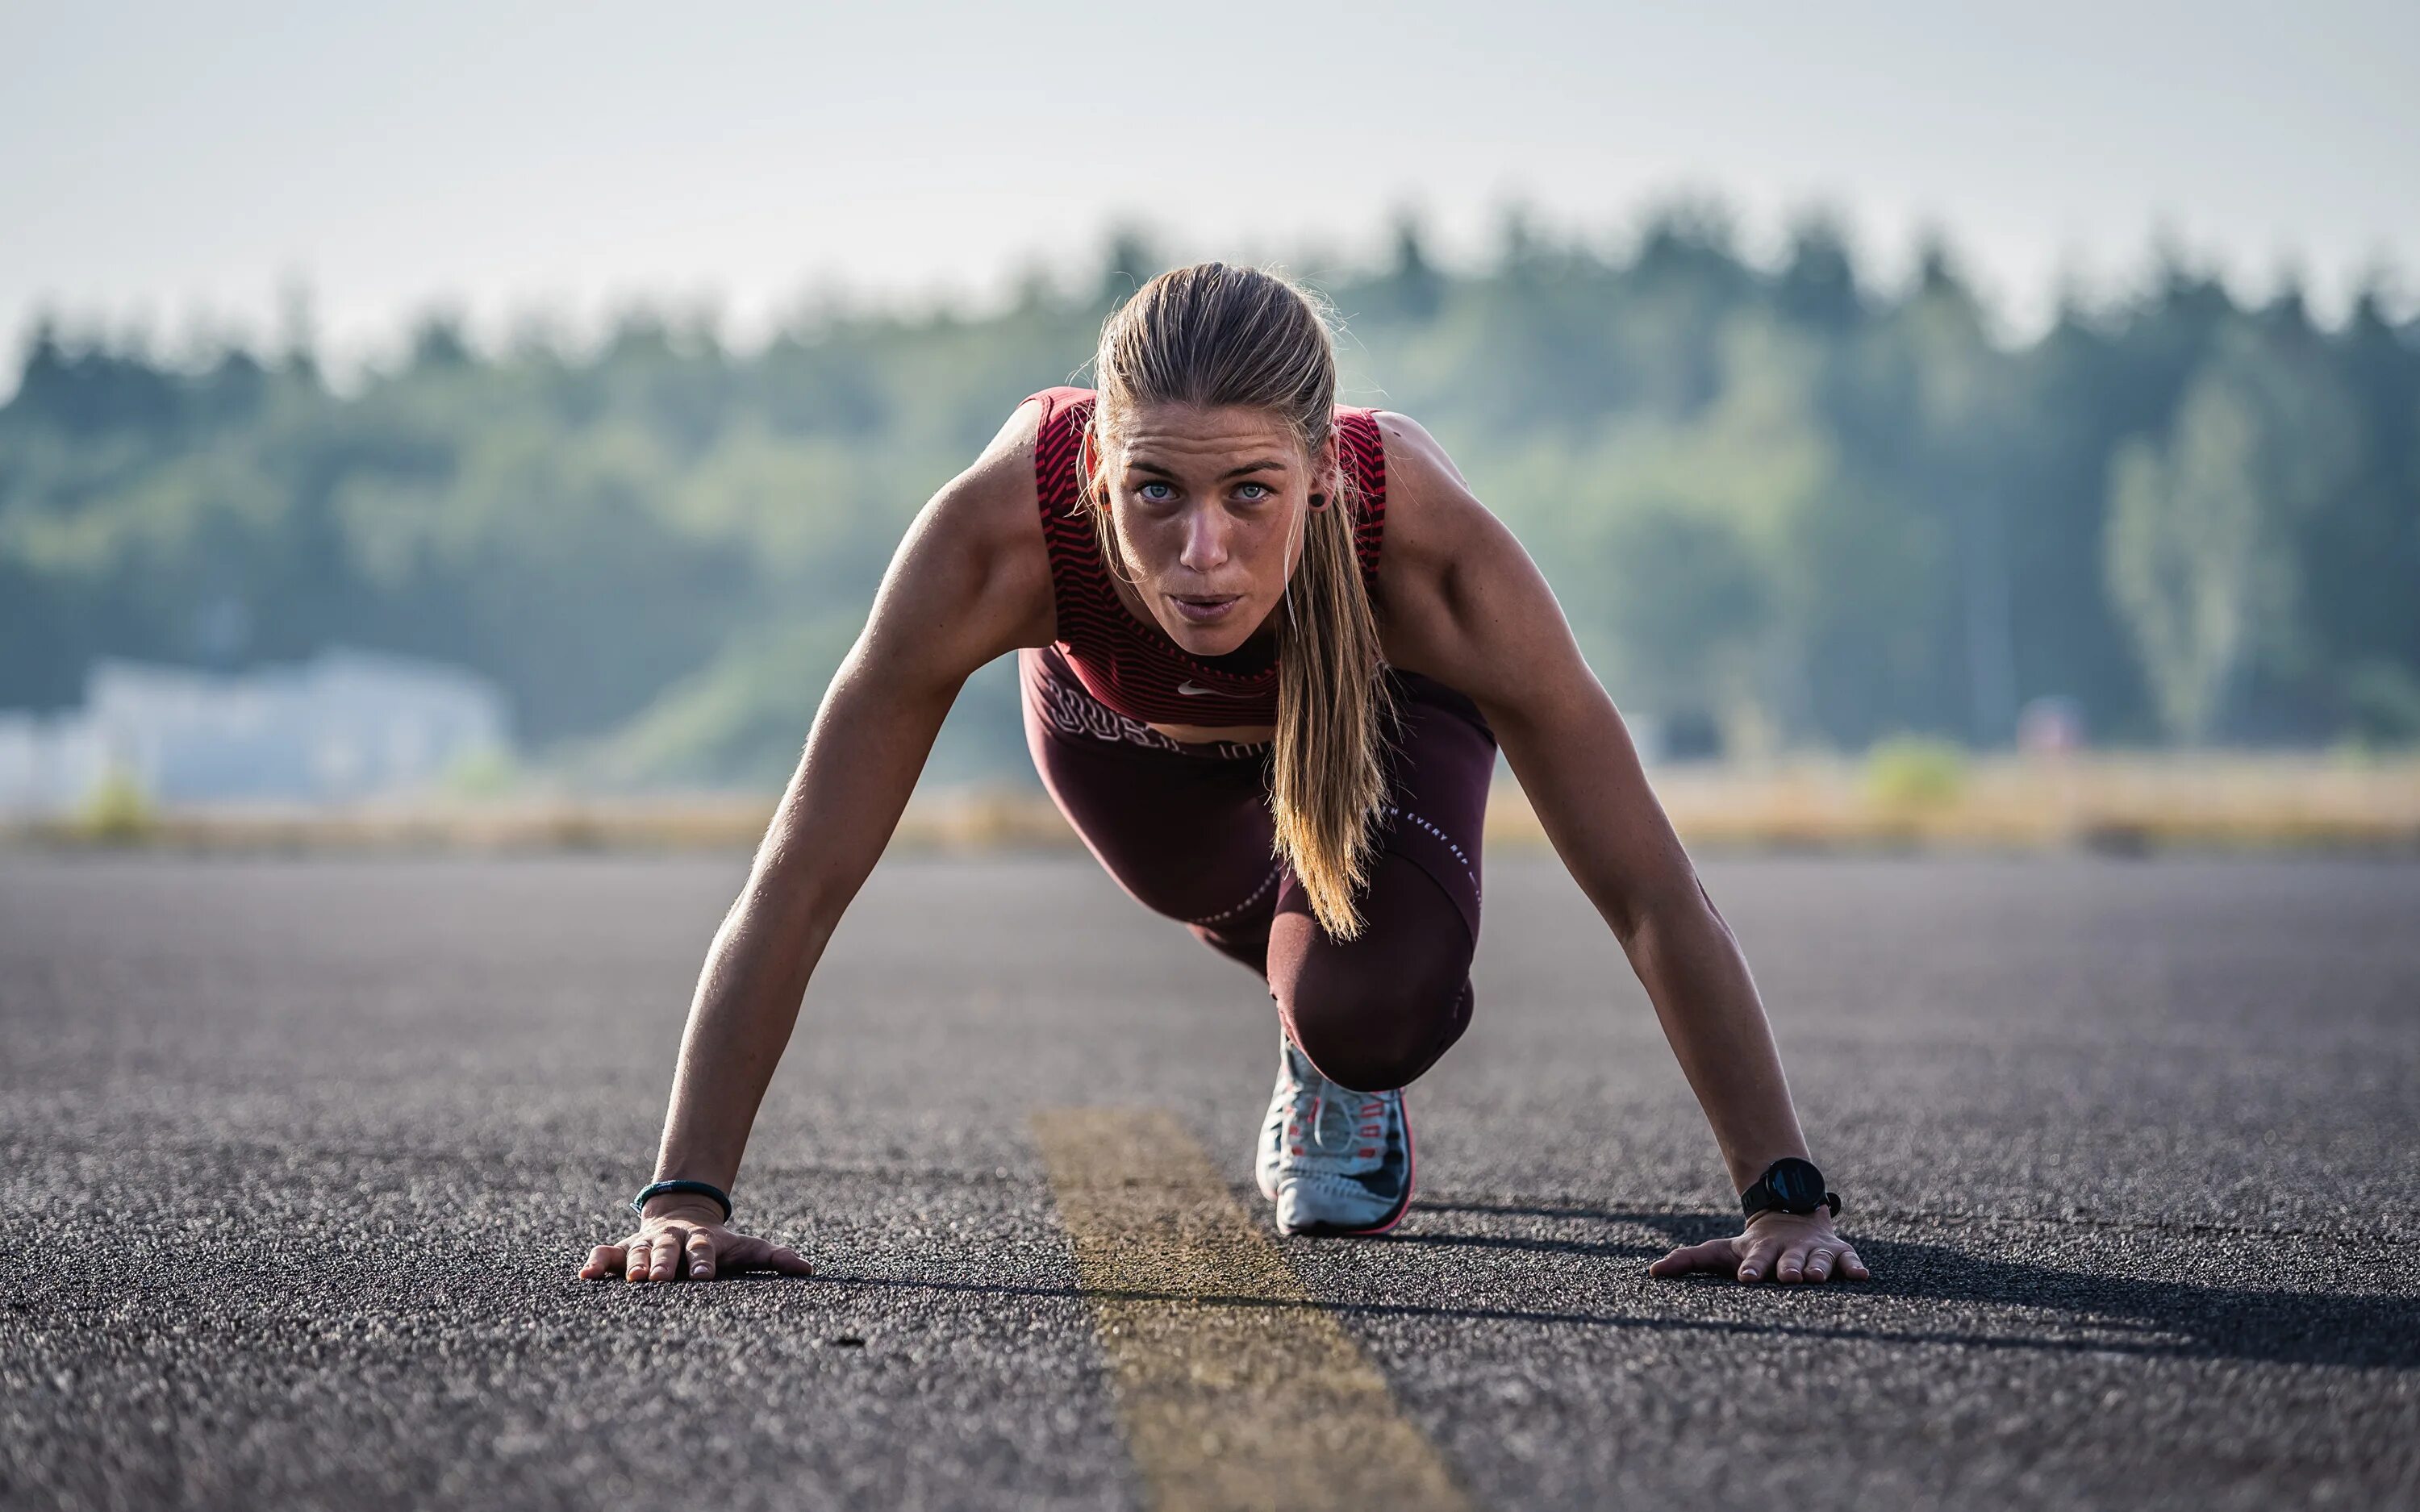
[739,1022]
[1698,978]
[860,763]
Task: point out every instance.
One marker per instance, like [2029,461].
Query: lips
[1204,609]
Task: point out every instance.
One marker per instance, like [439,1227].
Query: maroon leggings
[1185,830]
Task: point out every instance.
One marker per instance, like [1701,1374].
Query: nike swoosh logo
[1189,691]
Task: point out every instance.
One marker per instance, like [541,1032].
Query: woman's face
[1209,506]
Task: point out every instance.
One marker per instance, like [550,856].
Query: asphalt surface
[301,1155]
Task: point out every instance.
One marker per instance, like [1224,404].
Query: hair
[1218,336]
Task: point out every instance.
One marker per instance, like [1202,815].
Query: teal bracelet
[657,1189]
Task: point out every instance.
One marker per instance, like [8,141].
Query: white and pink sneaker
[1333,1160]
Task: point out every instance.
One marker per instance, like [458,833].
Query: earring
[1318,501]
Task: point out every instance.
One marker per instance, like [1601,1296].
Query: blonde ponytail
[1329,785]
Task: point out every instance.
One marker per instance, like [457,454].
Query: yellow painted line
[1234,1387]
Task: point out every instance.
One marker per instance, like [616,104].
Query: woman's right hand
[683,1243]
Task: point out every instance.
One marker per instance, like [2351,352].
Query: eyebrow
[1267,464]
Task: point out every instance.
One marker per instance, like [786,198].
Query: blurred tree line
[1775,501]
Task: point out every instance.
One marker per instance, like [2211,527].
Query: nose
[1205,540]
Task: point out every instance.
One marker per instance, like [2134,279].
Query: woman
[1268,647]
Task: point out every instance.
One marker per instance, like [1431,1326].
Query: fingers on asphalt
[1824,1262]
[1716,1255]
[1804,1265]
[691,1255]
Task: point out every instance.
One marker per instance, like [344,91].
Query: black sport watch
[1790,1184]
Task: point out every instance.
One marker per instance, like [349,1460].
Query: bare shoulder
[1433,519]
[1440,542]
[1413,456]
[994,504]
[973,577]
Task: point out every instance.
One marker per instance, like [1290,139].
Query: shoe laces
[1328,1123]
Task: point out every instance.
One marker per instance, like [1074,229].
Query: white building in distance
[345,725]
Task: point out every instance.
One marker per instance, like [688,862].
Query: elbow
[789,891]
[1683,902]
[784,891]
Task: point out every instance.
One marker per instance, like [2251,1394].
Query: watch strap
[703,1189]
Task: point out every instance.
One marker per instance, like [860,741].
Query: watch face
[1795,1183]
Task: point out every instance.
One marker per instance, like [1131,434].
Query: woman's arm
[969,581]
[1465,604]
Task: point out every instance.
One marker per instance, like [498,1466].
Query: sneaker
[1333,1160]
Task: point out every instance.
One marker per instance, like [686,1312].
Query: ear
[1088,469]
[1325,478]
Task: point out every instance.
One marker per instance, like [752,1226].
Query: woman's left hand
[1788,1247]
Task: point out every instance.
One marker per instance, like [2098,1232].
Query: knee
[1376,1012]
[1374,1032]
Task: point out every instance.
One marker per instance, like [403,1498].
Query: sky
[189,172]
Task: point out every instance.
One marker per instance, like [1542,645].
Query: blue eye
[1165,494]
[1258,491]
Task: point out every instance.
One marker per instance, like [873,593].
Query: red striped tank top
[1128,663]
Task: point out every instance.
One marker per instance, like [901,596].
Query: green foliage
[484,773]
[1915,772]
[1684,588]
[740,719]
[117,812]
[2383,705]
[2201,560]
[1774,497]
[2185,539]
